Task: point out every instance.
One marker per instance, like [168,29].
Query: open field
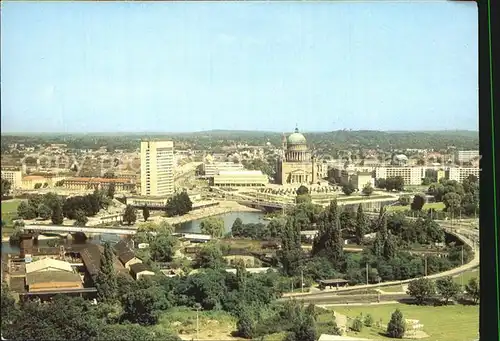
[446,323]
[394,288]
[213,325]
[9,210]
[438,206]
[464,277]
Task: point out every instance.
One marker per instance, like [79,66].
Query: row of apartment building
[412,176]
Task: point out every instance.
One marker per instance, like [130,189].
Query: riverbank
[223,208]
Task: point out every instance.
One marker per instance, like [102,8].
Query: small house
[125,254]
[139,270]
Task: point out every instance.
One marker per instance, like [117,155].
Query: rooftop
[48,263]
[91,256]
[241,172]
[100,180]
[51,277]
[139,267]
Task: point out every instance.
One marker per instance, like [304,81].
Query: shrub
[368,320]
[357,324]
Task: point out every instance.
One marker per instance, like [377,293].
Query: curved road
[330,294]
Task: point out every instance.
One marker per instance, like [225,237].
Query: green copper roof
[296,138]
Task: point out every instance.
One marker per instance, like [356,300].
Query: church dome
[296,138]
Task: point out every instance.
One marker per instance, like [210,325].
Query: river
[187,227]
[193,226]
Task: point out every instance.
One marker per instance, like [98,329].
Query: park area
[9,211]
[443,323]
[438,206]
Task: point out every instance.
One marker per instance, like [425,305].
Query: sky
[192,66]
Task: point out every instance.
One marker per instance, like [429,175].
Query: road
[332,298]
[327,294]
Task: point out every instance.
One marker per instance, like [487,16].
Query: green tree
[144,304]
[44,212]
[210,256]
[145,213]
[421,289]
[418,202]
[111,190]
[9,309]
[473,290]
[179,204]
[26,211]
[447,288]
[348,188]
[5,187]
[452,202]
[212,226]
[368,321]
[361,225]
[163,247]
[105,281]
[368,189]
[302,190]
[390,247]
[62,318]
[130,215]
[81,219]
[357,324]
[57,214]
[348,220]
[290,253]
[275,227]
[381,183]
[397,326]
[245,326]
[237,228]
[303,329]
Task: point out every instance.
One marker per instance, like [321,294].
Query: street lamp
[197,306]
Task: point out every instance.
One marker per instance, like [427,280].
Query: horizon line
[235,131]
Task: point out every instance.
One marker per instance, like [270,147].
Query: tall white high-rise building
[157,168]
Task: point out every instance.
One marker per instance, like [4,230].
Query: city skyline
[135,67]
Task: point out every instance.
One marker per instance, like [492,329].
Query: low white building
[243,178]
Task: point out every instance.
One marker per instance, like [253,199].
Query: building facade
[240,179]
[411,175]
[157,168]
[85,184]
[14,177]
[297,165]
[466,155]
[213,168]
[361,179]
[461,173]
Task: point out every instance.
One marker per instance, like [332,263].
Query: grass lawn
[394,288]
[213,325]
[438,206]
[446,323]
[464,277]
[9,210]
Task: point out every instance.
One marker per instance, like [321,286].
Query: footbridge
[74,229]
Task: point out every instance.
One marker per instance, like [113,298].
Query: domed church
[297,165]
